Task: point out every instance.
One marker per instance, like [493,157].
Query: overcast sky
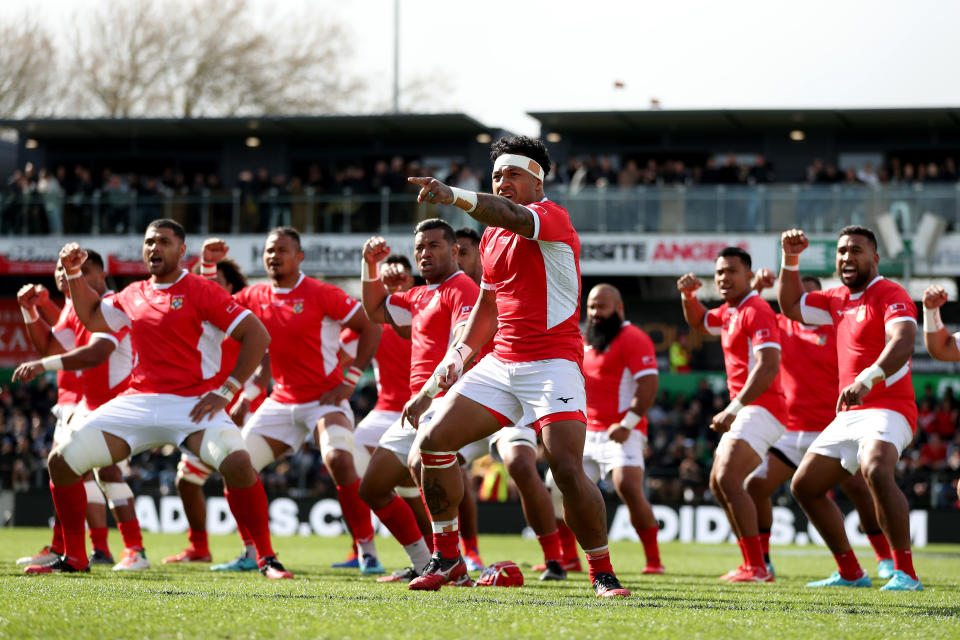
[497,61]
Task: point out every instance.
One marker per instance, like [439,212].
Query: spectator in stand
[945,420]
[933,454]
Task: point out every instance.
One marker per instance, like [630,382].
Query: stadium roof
[743,120]
[335,126]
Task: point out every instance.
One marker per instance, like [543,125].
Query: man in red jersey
[808,371]
[177,322]
[620,367]
[104,361]
[876,326]
[435,315]
[391,369]
[192,472]
[530,305]
[311,393]
[754,419]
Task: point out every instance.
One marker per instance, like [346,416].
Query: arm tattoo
[435,495]
[500,212]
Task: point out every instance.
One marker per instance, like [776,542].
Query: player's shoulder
[634,333]
[460,281]
[889,288]
[549,207]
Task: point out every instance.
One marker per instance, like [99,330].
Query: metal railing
[673,209]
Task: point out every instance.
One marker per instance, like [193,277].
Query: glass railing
[673,209]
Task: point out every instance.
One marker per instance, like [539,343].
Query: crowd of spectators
[679,452]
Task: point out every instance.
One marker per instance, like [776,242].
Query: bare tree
[28,67]
[210,58]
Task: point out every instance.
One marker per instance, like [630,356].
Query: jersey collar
[747,297]
[431,287]
[283,291]
[857,295]
[183,273]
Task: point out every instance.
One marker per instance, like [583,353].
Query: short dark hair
[814,279]
[467,232]
[290,232]
[524,146]
[173,225]
[857,230]
[400,259]
[736,252]
[94,258]
[437,223]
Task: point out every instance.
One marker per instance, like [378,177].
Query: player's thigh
[735,461]
[563,444]
[817,474]
[769,475]
[384,472]
[628,483]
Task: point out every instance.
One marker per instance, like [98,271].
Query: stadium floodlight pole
[396,56]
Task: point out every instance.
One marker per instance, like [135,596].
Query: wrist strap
[463,199]
[251,391]
[432,388]
[208,269]
[793,264]
[365,275]
[869,376]
[931,320]
[352,376]
[734,407]
[225,391]
[30,314]
[630,420]
[73,275]
[52,363]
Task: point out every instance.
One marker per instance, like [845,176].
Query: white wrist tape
[456,356]
[870,375]
[365,268]
[630,420]
[251,391]
[734,407]
[73,275]
[432,388]
[790,265]
[234,383]
[30,314]
[466,200]
[52,363]
[352,376]
[208,269]
[225,391]
[931,320]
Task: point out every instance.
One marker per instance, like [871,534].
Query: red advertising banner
[15,345]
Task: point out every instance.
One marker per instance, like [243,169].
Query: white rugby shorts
[792,446]
[400,437]
[148,420]
[757,427]
[292,423]
[601,455]
[528,393]
[850,431]
[373,426]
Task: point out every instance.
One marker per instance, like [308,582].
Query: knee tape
[94,495]
[361,459]
[216,446]
[118,494]
[190,471]
[556,498]
[260,452]
[408,492]
[336,437]
[85,449]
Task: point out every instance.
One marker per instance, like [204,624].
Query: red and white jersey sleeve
[808,371]
[862,321]
[304,323]
[537,285]
[69,389]
[110,378]
[744,330]
[435,312]
[177,331]
[612,375]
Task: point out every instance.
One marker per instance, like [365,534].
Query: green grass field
[688,602]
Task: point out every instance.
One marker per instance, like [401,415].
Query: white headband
[521,162]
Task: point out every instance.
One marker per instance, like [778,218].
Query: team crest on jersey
[176,302]
[821,340]
[298,306]
[861,313]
